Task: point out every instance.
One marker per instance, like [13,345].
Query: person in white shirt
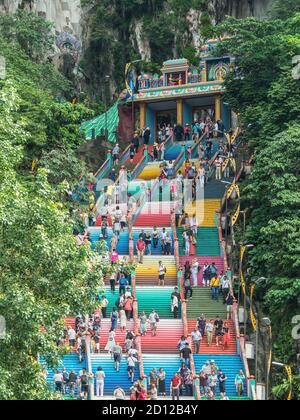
[196,337]
[153,319]
[131,362]
[104,304]
[119,394]
[72,336]
[58,380]
[100,379]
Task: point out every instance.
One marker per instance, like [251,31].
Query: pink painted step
[202,260]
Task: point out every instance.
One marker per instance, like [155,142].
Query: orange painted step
[169,332]
[70,322]
[213,349]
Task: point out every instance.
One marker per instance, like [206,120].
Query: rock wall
[65,14]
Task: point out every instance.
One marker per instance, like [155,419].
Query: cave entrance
[166,117]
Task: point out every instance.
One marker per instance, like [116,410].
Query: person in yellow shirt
[215,287]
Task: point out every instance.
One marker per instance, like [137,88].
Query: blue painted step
[123,244]
[174,150]
[113,378]
[169,362]
[70,362]
[230,365]
[137,231]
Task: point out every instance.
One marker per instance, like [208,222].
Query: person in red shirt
[175,387]
[143,394]
[140,247]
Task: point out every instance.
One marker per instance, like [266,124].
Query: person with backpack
[201,323]
[84,384]
[131,366]
[122,284]
[206,275]
[162,271]
[117,356]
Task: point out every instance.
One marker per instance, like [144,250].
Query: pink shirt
[114,257]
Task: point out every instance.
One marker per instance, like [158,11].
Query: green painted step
[158,298]
[208,243]
[202,303]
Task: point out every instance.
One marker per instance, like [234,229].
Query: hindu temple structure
[180,94]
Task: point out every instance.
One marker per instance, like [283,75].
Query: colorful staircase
[205,211]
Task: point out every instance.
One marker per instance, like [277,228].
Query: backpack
[187,283]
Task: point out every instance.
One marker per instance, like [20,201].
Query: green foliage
[262,89]
[31,32]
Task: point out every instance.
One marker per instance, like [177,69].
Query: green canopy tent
[98,124]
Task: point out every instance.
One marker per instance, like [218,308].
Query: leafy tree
[262,89]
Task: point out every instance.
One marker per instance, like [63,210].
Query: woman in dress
[111,342]
[143,324]
[193,244]
[226,336]
[195,272]
[162,382]
[153,378]
[123,321]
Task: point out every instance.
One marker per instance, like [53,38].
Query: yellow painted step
[205,211]
[151,171]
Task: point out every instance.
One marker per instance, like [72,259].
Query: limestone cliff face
[65,14]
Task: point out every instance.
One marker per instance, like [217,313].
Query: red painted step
[137,157]
[99,221]
[120,336]
[202,260]
[213,349]
[155,214]
[169,332]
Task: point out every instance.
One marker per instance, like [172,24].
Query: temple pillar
[180,111]
[218,107]
[143,110]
